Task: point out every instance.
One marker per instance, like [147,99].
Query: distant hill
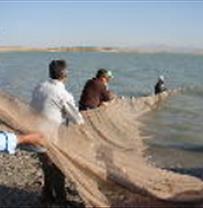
[19,49]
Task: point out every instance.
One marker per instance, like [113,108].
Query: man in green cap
[96,91]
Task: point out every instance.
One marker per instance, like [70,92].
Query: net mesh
[105,157]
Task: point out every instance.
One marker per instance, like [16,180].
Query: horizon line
[150,46]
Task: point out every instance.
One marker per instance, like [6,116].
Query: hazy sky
[101,23]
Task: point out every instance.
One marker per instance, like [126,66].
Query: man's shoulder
[94,82]
[90,81]
[42,84]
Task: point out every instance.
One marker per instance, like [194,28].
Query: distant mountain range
[152,49]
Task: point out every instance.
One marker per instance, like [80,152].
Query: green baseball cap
[109,74]
[104,72]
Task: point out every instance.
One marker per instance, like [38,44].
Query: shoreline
[166,50]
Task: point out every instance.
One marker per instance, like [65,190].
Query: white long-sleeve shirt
[54,102]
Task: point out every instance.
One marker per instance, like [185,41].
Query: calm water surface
[176,128]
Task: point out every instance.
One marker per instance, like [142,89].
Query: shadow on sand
[16,197]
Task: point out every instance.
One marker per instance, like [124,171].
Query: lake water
[176,128]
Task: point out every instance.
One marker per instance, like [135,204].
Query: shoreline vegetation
[161,49]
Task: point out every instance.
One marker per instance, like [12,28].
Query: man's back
[94,93]
[159,87]
[53,101]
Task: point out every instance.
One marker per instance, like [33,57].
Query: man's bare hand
[32,138]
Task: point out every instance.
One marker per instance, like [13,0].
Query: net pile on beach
[105,157]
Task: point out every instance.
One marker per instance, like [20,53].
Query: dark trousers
[54,181]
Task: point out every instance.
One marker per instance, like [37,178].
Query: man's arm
[71,111]
[32,138]
[163,88]
[107,95]
[9,141]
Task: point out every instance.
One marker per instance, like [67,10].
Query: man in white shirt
[54,102]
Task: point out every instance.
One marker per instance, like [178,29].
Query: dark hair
[57,69]
[101,73]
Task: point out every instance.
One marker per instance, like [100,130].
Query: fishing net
[105,157]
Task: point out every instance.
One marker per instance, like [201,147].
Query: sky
[101,23]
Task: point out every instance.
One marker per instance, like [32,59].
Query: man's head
[161,79]
[57,70]
[104,75]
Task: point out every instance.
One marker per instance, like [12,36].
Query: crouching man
[96,92]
